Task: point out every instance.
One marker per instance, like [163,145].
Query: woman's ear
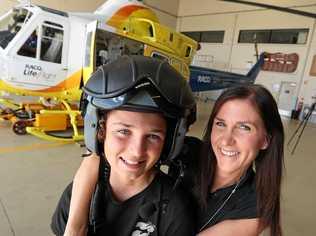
[266,142]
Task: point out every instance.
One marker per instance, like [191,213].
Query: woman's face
[238,134]
[133,143]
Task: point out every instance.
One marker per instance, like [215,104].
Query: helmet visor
[142,97]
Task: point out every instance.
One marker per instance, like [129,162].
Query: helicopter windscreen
[11,23]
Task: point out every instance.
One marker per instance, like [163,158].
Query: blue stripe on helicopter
[204,79]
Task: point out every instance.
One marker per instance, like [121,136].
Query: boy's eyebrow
[123,124]
[155,130]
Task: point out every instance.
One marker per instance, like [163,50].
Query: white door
[287,99]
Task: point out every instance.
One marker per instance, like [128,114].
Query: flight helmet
[143,84]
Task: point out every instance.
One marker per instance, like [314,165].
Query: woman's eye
[245,127]
[220,123]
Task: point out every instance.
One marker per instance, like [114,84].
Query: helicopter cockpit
[11,23]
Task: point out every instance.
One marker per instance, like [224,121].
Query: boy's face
[133,143]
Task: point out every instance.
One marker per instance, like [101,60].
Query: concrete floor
[34,172]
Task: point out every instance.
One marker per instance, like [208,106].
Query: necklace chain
[222,205]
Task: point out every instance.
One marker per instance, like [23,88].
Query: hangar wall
[187,15]
[237,57]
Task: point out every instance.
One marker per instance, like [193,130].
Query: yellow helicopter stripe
[67,89]
[72,82]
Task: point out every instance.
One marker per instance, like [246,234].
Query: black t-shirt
[241,205]
[157,210]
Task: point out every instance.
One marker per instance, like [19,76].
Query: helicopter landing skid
[7,108]
[41,120]
[48,121]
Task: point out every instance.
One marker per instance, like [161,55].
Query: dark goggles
[142,97]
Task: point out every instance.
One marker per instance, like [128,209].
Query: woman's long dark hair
[269,163]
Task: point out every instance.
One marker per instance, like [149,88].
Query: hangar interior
[34,172]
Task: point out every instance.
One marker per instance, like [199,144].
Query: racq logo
[36,72]
[32,70]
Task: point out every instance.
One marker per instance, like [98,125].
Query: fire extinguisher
[300,107]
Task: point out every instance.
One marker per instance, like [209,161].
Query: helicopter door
[42,58]
[89,57]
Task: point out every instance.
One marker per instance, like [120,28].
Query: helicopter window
[48,23]
[133,47]
[11,24]
[110,46]
[52,43]
[188,51]
[29,47]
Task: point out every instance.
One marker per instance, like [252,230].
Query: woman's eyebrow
[238,122]
[218,118]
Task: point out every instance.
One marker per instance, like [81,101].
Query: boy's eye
[123,131]
[154,137]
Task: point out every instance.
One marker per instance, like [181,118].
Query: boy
[136,112]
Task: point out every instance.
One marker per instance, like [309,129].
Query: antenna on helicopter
[256,46]
[300,129]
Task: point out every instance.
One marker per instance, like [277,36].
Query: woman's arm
[83,188]
[245,227]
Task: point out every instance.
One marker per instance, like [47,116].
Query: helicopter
[51,54]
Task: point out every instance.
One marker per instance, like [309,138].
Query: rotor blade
[284,9]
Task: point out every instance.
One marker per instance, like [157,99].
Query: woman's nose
[228,138]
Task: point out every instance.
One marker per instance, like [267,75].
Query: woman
[240,169]
[241,164]
[134,119]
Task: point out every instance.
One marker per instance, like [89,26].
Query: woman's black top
[241,205]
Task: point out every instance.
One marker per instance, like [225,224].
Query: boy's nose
[137,147]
